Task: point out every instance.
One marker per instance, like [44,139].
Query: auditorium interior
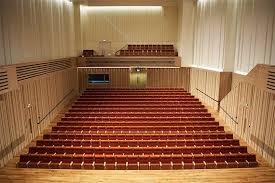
[137,91]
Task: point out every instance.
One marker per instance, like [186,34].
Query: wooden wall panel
[225,84]
[253,110]
[120,78]
[129,61]
[236,78]
[168,78]
[249,111]
[248,108]
[209,86]
[205,81]
[25,111]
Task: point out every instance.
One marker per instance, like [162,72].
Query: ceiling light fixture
[121,8]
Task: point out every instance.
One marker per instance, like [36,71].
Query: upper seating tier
[148,50]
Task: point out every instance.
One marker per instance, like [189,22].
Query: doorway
[138,77]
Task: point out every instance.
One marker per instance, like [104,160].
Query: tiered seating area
[148,50]
[137,129]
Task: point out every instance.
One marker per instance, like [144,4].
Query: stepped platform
[137,129]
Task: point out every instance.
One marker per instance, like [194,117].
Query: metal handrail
[219,106]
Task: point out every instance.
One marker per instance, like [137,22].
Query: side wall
[246,105]
[251,108]
[29,107]
[255,34]
[231,35]
[36,30]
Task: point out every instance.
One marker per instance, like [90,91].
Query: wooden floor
[263,173]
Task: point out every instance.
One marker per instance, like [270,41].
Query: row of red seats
[137,129]
[195,112]
[137,96]
[138,143]
[152,106]
[141,123]
[131,132]
[149,103]
[130,93]
[185,136]
[136,124]
[150,47]
[100,118]
[138,150]
[136,114]
[148,53]
[132,109]
[137,99]
[137,162]
[136,90]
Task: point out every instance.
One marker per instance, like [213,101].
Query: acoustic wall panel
[27,109]
[233,35]
[209,34]
[255,34]
[36,30]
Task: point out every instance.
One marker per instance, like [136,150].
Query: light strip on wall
[241,73]
[145,67]
[68,1]
[120,8]
[208,68]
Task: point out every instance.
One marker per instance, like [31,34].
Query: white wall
[255,34]
[128,25]
[186,12]
[210,34]
[234,35]
[35,30]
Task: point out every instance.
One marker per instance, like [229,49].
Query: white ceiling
[128,2]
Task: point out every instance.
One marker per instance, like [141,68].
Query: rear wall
[128,25]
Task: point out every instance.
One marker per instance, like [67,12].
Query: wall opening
[98,78]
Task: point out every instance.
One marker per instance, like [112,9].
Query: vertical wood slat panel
[120,78]
[249,103]
[255,120]
[205,82]
[46,94]
[168,78]
[253,108]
